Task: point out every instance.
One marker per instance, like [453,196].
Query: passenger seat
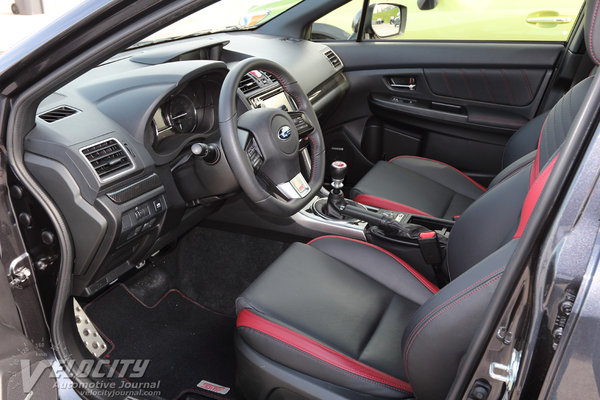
[432,188]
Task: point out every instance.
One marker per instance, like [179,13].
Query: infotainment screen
[280,100]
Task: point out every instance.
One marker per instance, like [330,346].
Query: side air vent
[333,59]
[107,158]
[248,84]
[58,113]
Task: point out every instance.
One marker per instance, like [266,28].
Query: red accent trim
[535,168]
[421,278]
[164,296]
[388,204]
[248,319]
[448,307]
[448,301]
[532,197]
[447,165]
[122,285]
[427,235]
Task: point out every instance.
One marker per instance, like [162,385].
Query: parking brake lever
[386,223]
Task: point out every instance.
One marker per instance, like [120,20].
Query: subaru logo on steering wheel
[284,132]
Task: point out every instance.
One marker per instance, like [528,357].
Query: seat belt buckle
[430,248]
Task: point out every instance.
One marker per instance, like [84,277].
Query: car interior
[273,214]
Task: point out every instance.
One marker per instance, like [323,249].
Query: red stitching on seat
[448,301]
[447,165]
[421,278]
[247,319]
[388,204]
[535,169]
[592,34]
[440,313]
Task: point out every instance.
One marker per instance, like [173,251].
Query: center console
[419,240]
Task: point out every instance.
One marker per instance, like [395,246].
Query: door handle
[403,83]
[410,86]
[549,20]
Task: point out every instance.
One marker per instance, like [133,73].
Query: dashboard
[113,146]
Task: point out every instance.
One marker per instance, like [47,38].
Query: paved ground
[15,28]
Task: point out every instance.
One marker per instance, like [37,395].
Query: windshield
[225,15]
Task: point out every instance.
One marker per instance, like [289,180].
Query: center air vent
[248,84]
[333,59]
[57,113]
[271,76]
[108,158]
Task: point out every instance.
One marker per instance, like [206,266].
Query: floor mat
[185,342]
[209,266]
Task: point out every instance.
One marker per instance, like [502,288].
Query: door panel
[514,87]
[454,102]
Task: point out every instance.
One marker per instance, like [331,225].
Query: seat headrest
[592,29]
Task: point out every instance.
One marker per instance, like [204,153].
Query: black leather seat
[343,319]
[428,187]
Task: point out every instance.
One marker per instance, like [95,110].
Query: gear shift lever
[336,196]
[338,173]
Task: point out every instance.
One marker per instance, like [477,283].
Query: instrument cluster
[189,111]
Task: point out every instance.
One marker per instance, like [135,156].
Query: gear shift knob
[338,173]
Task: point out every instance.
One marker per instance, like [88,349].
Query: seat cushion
[335,310]
[418,186]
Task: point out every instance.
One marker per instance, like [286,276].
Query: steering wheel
[262,145]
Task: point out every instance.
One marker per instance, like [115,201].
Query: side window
[471,20]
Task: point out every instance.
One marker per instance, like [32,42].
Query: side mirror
[384,20]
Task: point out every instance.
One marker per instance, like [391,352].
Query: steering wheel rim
[236,154]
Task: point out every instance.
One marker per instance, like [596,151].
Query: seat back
[482,242]
[493,219]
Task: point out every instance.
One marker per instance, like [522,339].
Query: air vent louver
[57,113]
[271,76]
[107,158]
[248,84]
[333,59]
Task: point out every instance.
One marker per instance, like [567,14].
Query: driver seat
[340,318]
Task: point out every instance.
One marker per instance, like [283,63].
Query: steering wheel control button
[301,123]
[254,156]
